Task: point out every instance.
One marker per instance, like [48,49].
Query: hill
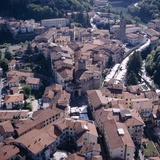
[41,9]
[146,10]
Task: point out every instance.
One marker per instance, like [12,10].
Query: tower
[121,33]
[81,64]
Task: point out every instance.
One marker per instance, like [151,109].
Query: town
[64,93]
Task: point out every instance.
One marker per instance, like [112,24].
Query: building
[9,152]
[19,74]
[10,115]
[59,22]
[45,141]
[12,65]
[34,83]
[118,140]
[6,130]
[101,3]
[143,106]
[134,39]
[154,24]
[121,33]
[62,40]
[13,101]
[50,92]
[13,81]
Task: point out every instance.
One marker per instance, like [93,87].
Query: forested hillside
[146,10]
[40,9]
[153,65]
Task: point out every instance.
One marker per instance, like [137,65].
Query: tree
[4,64]
[137,19]
[29,49]
[1,54]
[132,78]
[27,91]
[135,64]
[134,68]
[8,55]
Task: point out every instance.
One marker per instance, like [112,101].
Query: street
[118,72]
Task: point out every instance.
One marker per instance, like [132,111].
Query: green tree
[1,54]
[132,78]
[29,49]
[27,91]
[4,64]
[135,64]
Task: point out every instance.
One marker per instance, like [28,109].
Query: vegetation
[146,10]
[81,19]
[4,64]
[134,68]
[153,65]
[38,9]
[8,55]
[26,106]
[27,91]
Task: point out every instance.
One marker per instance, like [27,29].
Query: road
[119,72]
[141,155]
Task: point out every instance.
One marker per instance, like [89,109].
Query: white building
[134,39]
[62,22]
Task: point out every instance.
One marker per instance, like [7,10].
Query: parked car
[40,102]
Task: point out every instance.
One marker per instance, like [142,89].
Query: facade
[134,39]
[12,64]
[61,22]
[13,81]
[12,101]
[143,106]
[118,140]
[6,130]
[101,3]
[34,83]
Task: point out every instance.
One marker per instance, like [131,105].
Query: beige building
[118,140]
[143,106]
[34,83]
[61,22]
[134,39]
[62,40]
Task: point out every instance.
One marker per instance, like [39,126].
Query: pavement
[35,105]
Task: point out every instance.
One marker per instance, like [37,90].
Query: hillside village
[76,106]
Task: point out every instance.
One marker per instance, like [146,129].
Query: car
[40,102]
